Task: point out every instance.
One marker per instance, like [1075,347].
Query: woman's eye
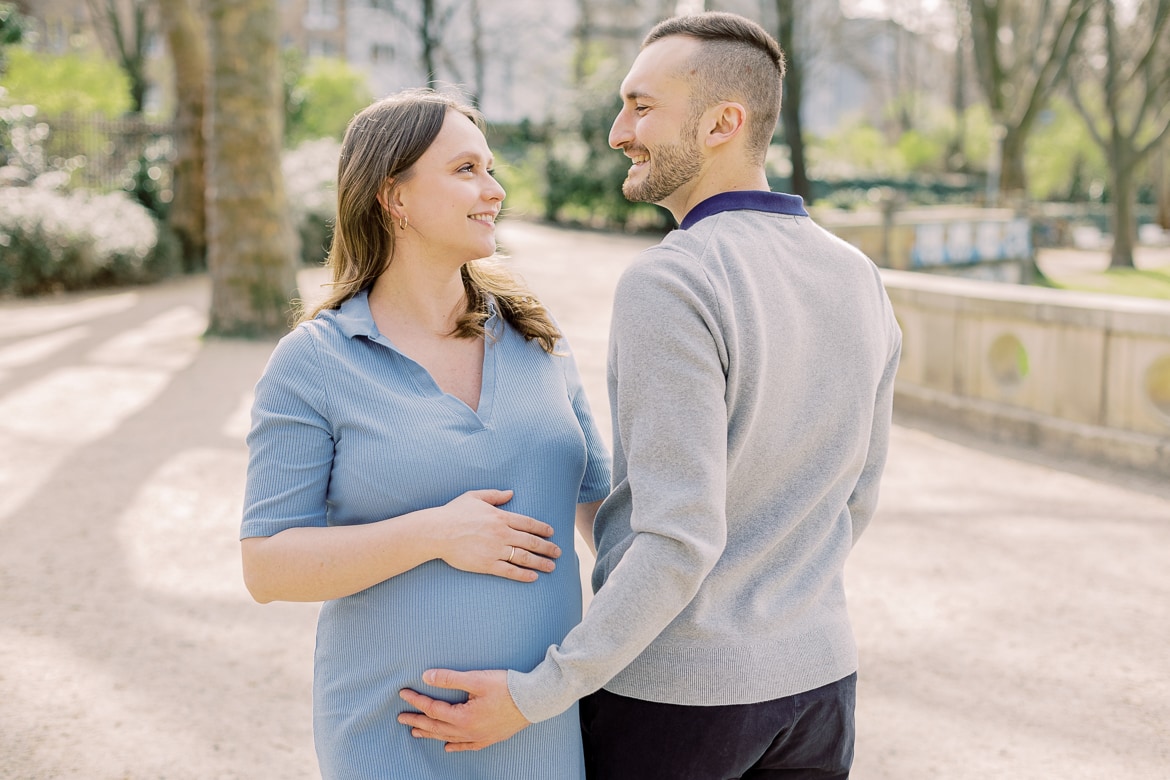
[491,172]
[466,168]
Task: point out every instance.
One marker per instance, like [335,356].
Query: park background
[167,182]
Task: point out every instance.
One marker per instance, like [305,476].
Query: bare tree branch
[1074,94]
[1159,134]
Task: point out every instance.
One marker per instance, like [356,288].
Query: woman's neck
[418,296]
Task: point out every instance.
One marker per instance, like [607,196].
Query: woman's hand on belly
[473,534]
[470,533]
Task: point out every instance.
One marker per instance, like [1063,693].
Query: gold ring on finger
[511,553]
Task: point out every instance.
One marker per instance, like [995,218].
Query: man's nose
[621,133]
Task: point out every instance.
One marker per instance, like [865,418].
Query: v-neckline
[427,384]
[356,319]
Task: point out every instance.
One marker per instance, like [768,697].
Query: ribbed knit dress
[348,430]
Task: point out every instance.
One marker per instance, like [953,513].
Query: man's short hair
[738,61]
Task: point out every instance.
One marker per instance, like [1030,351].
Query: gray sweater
[751,374]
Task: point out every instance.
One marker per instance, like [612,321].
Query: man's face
[657,127]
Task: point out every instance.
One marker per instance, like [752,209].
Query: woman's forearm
[316,564]
[470,533]
[584,522]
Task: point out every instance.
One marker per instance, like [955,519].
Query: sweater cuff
[540,694]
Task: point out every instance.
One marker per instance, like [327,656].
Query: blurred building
[529,59]
[524,59]
[59,25]
[317,28]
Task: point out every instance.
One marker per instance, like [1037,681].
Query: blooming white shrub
[52,240]
[310,184]
[110,225]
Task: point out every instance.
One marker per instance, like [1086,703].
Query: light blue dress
[348,430]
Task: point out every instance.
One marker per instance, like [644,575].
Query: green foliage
[857,147]
[292,67]
[1063,161]
[978,134]
[324,96]
[521,156]
[1141,283]
[78,83]
[922,152]
[583,174]
[12,29]
[148,178]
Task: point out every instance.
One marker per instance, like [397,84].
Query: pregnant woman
[421,448]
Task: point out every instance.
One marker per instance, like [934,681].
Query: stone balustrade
[1072,373]
[974,243]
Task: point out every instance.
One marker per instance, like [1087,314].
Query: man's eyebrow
[634,94]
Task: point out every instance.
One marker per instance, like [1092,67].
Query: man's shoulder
[677,257]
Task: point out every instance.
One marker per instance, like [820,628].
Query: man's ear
[724,122]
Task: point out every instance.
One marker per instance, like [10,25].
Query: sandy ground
[1064,263]
[1011,610]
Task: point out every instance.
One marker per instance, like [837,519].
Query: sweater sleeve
[863,501]
[671,425]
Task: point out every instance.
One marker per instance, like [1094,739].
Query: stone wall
[1073,373]
[974,243]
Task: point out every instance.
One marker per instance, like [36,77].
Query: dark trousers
[802,737]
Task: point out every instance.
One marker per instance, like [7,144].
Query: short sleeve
[290,444]
[595,484]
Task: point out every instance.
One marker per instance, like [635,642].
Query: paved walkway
[1012,612]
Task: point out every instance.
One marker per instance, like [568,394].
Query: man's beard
[670,167]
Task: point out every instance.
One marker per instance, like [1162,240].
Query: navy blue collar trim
[746,200]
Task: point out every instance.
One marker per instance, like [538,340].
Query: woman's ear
[388,196]
[726,121]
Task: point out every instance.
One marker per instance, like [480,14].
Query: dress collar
[745,200]
[355,319]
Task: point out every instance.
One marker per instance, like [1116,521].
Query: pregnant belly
[437,616]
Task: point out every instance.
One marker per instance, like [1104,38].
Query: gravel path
[1011,610]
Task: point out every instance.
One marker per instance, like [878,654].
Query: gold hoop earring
[402,223]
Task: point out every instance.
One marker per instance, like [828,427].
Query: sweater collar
[745,200]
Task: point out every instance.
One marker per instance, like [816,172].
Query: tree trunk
[582,35]
[794,135]
[793,91]
[126,42]
[188,213]
[250,247]
[956,160]
[1163,181]
[430,43]
[477,55]
[1019,77]
[1013,178]
[1124,216]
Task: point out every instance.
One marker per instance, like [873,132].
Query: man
[751,373]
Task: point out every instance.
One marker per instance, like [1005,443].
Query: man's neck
[712,182]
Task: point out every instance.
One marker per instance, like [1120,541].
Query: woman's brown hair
[385,141]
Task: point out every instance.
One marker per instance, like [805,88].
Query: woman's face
[451,199]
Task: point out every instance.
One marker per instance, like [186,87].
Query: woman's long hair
[385,141]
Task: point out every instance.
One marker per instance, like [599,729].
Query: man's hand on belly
[488,716]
